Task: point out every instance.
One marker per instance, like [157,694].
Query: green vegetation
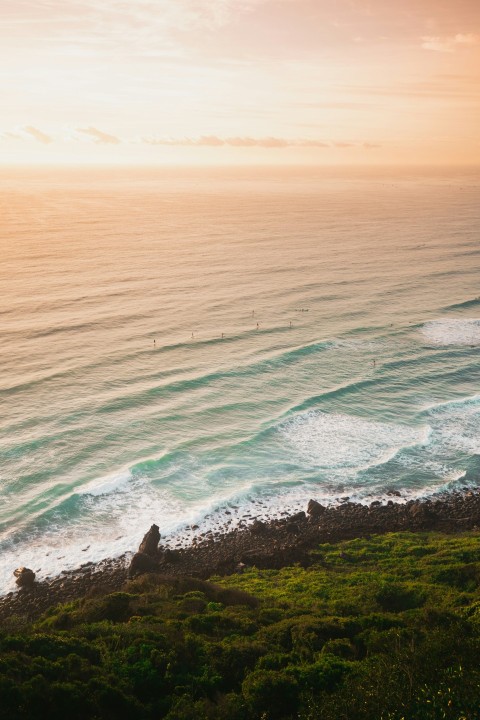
[379,629]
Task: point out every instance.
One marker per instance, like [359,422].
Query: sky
[240,81]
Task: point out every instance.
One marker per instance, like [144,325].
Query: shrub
[273,693]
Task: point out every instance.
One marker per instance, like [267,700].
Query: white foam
[454,436]
[111,483]
[119,507]
[452,332]
[456,426]
[333,441]
[114,524]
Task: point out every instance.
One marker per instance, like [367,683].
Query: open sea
[197,347]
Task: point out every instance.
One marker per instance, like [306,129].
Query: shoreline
[274,543]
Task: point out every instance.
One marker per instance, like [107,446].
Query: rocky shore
[264,544]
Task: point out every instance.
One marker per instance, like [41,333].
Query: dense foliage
[384,628]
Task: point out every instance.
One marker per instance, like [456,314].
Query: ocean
[205,346]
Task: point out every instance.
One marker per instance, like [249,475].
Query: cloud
[38,135]
[241,141]
[99,137]
[249,142]
[210,141]
[312,143]
[448,44]
[11,136]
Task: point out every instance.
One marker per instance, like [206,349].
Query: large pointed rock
[149,544]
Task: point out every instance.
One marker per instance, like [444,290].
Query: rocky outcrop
[315,510]
[149,544]
[25,577]
[147,558]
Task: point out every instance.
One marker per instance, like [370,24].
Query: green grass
[379,629]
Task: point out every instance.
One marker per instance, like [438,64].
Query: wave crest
[343,442]
[452,332]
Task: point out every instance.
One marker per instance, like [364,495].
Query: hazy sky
[240,81]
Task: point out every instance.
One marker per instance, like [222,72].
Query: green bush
[271,693]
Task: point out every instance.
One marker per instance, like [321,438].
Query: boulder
[25,577]
[149,544]
[298,517]
[314,509]
[421,511]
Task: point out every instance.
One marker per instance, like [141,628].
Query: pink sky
[230,81]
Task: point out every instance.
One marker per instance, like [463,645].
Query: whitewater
[198,347]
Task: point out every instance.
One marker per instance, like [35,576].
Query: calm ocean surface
[121,404]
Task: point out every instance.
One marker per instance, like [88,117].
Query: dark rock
[142,563]
[25,577]
[297,517]
[314,509]
[258,527]
[149,544]
[422,511]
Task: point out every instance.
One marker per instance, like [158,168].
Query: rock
[142,563]
[314,509]
[149,544]
[297,517]
[421,511]
[25,577]
[258,527]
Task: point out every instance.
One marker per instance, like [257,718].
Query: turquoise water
[121,402]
